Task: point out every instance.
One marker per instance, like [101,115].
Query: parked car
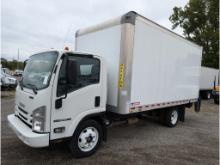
[18,72]
[7,80]
[6,70]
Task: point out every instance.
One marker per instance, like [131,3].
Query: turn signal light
[59,130]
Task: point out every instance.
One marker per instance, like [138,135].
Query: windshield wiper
[34,88]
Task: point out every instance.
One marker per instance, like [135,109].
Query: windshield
[38,70]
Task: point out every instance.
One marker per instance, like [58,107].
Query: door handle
[97,101]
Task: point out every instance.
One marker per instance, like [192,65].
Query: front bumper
[26,135]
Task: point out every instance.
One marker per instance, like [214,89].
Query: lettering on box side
[121,76]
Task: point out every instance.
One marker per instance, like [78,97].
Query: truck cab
[61,92]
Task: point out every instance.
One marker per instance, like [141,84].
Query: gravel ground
[194,141]
[8,93]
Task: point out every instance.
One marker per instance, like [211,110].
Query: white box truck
[130,66]
[208,78]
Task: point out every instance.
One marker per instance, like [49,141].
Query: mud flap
[197,105]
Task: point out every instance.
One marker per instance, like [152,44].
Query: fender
[100,118]
[90,114]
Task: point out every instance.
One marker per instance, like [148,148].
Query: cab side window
[88,71]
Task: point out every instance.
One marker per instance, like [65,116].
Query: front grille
[22,110]
[24,116]
[30,126]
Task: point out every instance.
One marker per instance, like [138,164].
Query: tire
[171,117]
[197,105]
[86,139]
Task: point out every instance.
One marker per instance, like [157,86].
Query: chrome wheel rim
[88,139]
[174,117]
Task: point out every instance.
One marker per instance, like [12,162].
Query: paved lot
[145,142]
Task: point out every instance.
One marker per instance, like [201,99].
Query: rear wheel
[171,117]
[86,139]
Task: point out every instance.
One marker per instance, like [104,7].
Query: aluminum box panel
[165,66]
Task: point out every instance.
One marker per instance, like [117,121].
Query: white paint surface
[105,43]
[165,66]
[207,78]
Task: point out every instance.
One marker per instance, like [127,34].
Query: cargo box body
[207,78]
[148,66]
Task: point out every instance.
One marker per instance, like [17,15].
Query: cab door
[84,96]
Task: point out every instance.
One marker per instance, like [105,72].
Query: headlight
[38,121]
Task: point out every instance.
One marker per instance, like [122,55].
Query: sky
[35,25]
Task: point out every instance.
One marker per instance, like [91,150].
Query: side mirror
[71,71]
[58,103]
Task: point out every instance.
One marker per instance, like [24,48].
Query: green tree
[12,65]
[200,22]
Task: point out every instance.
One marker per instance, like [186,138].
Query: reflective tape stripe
[159,105]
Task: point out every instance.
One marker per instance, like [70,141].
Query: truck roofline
[65,51]
[128,17]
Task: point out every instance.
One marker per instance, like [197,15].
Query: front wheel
[86,139]
[171,117]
